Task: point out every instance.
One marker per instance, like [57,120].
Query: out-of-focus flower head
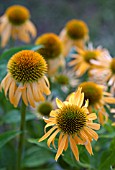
[81,61]
[43,109]
[16,23]
[74,123]
[98,98]
[26,78]
[75,33]
[105,65]
[66,79]
[51,51]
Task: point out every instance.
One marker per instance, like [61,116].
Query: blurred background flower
[16,23]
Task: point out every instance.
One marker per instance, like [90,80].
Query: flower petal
[52,137]
[59,103]
[47,134]
[74,148]
[95,126]
[61,147]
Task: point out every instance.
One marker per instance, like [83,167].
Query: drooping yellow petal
[12,91]
[47,134]
[60,138]
[34,87]
[52,137]
[7,85]
[30,95]
[88,147]
[91,132]
[24,96]
[74,148]
[78,140]
[31,28]
[66,145]
[61,147]
[17,96]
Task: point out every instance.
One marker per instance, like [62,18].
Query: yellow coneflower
[105,65]
[98,98]
[52,51]
[81,62]
[15,23]
[26,78]
[75,33]
[75,124]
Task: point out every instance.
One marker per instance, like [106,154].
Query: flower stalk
[21,138]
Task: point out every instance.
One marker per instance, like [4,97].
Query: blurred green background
[51,16]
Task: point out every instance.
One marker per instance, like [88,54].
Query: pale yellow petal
[35,87]
[12,91]
[24,96]
[31,28]
[5,35]
[30,95]
[17,96]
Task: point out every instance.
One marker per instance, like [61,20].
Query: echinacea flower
[43,109]
[105,65]
[74,123]
[16,23]
[75,33]
[66,79]
[51,51]
[26,78]
[98,98]
[81,61]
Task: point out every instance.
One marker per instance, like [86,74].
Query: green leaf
[40,144]
[14,116]
[108,159]
[7,136]
[70,159]
[36,156]
[7,54]
[110,135]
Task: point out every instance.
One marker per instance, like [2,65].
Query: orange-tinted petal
[95,126]
[47,134]
[61,147]
[74,148]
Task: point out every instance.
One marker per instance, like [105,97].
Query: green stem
[21,138]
